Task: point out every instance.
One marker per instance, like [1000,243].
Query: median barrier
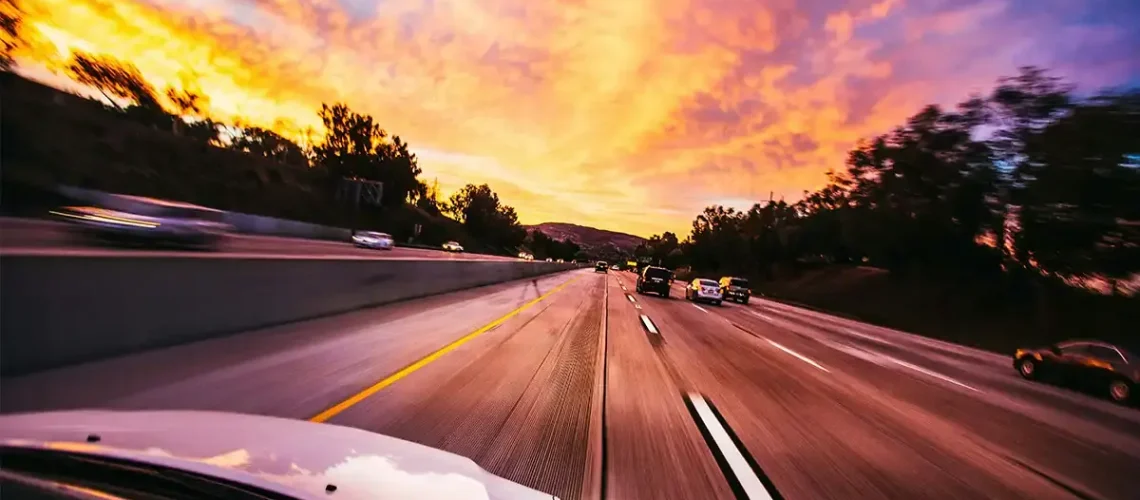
[62,310]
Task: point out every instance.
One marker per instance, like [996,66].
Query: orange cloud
[629,115]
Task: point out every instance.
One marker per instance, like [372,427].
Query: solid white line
[862,335]
[649,325]
[630,297]
[801,357]
[701,308]
[747,478]
[924,371]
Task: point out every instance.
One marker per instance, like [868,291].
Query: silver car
[706,290]
[199,454]
[373,239]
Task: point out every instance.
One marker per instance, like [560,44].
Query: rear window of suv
[657,272]
[738,282]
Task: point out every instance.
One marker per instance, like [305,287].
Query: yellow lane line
[408,370]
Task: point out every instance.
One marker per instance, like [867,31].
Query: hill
[592,240]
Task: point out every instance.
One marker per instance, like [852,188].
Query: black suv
[601,267]
[654,279]
[735,289]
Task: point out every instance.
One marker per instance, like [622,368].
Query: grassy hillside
[964,315]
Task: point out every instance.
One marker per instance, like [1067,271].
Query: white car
[702,289]
[453,246]
[204,454]
[373,239]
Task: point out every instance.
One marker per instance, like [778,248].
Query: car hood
[293,457]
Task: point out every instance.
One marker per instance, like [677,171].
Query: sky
[629,115]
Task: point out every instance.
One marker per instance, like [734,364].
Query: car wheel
[1119,390]
[745,302]
[716,302]
[666,294]
[1027,367]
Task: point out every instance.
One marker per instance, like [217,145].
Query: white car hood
[293,457]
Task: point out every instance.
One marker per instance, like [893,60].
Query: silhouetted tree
[11,20]
[268,144]
[356,147]
[485,218]
[114,79]
[1079,191]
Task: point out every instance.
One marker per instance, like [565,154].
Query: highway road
[47,237]
[575,385]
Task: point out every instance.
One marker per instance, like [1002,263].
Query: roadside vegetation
[1013,217]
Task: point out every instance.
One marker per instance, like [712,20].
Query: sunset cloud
[629,115]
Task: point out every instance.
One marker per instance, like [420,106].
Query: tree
[11,22]
[268,144]
[479,210]
[114,79]
[355,147]
[1079,214]
[187,102]
[426,198]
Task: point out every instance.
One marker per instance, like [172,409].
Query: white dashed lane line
[744,475]
[701,308]
[797,355]
[649,325]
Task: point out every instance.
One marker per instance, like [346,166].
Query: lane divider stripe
[740,469]
[324,416]
[649,325]
[799,356]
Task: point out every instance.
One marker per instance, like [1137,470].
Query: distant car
[373,239]
[654,279]
[1099,366]
[141,220]
[705,290]
[92,454]
[735,289]
[525,256]
[601,267]
[561,261]
[453,246]
[548,259]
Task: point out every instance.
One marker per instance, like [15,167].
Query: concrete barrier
[56,311]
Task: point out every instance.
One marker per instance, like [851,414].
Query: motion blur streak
[395,377]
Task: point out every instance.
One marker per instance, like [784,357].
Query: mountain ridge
[589,238]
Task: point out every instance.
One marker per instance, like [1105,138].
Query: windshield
[743,283]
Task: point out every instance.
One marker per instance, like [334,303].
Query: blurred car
[654,279]
[141,220]
[735,289]
[548,259]
[601,267]
[702,289]
[561,261]
[453,246]
[373,239]
[525,256]
[102,454]
[1099,366]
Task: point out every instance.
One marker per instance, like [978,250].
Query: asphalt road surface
[46,237]
[575,385]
